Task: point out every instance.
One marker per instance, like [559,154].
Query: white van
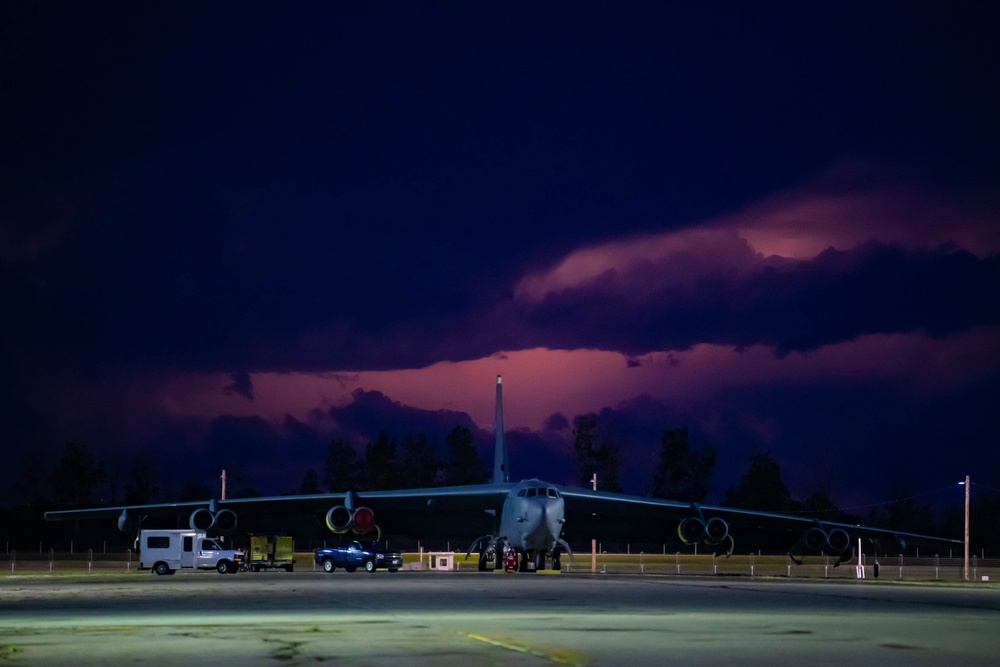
[166,551]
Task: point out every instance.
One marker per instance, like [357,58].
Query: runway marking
[551,657]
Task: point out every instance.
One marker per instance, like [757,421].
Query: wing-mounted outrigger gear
[845,556]
[729,551]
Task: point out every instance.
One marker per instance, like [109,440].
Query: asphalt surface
[443,618]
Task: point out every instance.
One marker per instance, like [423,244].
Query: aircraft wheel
[539,560]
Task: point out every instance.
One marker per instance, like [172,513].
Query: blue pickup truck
[354,556]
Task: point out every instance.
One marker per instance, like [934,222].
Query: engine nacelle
[340,519]
[364,520]
[695,530]
[225,521]
[205,520]
[716,530]
[691,530]
[201,519]
[838,540]
[834,541]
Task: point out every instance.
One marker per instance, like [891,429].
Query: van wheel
[223,567]
[161,569]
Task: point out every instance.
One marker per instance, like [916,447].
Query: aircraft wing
[431,512]
[617,517]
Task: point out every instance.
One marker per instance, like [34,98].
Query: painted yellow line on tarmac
[551,657]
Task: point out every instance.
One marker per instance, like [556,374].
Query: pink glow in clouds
[840,210]
[538,383]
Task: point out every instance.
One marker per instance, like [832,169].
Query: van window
[158,542]
[188,543]
[210,545]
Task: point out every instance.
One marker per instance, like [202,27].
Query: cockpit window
[553,493]
[522,493]
[532,491]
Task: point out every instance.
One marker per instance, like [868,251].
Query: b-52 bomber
[532,517]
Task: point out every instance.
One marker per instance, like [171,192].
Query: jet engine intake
[364,520]
[205,520]
[201,519]
[361,520]
[833,541]
[225,521]
[691,530]
[339,519]
[716,530]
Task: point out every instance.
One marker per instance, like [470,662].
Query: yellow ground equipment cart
[270,551]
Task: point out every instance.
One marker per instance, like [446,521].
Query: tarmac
[472,618]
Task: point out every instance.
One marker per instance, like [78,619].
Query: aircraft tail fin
[500,450]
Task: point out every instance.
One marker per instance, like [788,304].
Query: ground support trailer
[270,552]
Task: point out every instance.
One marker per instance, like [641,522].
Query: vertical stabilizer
[500,450]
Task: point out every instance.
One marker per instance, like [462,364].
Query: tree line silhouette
[681,472]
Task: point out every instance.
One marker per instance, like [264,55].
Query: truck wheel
[223,567]
[393,569]
[350,568]
[289,567]
[369,565]
[328,565]
[161,569]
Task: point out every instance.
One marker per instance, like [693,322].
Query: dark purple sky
[232,231]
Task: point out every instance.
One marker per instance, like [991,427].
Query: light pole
[967,484]
[593,543]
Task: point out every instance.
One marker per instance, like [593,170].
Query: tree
[761,487]
[682,473]
[29,489]
[594,452]
[310,483]
[196,491]
[77,475]
[382,468]
[342,470]
[420,464]
[908,514]
[143,488]
[462,464]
